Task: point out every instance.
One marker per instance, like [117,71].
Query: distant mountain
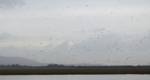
[20,61]
[29,62]
[88,64]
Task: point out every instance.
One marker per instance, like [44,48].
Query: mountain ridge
[19,60]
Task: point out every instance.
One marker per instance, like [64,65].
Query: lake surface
[75,77]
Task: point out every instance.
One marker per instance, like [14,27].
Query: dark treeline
[64,66]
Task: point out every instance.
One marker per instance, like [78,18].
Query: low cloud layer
[4,36]
[101,49]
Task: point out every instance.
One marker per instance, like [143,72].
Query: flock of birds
[97,45]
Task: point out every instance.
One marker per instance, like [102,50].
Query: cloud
[4,36]
[10,3]
[101,49]
[98,30]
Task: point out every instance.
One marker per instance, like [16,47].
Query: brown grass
[72,71]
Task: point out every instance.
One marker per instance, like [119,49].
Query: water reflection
[76,77]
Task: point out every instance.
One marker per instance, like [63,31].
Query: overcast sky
[108,32]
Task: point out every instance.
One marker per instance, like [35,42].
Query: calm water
[76,77]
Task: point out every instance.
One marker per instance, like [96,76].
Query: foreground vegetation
[61,69]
